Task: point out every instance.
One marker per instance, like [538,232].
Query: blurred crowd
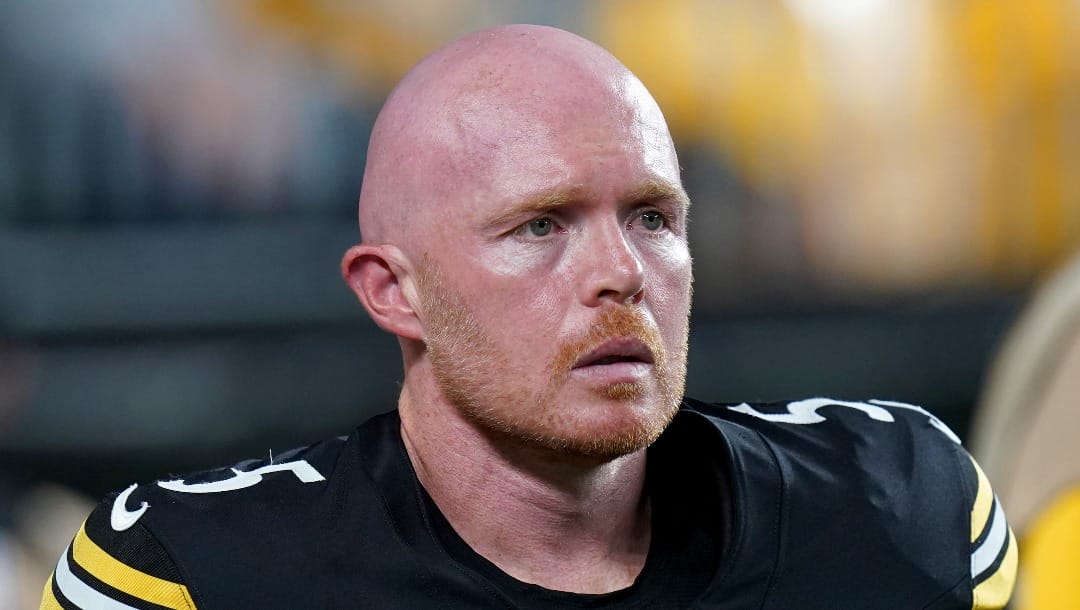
[860,146]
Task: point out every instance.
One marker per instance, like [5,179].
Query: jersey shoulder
[134,548]
[847,440]
[115,561]
[886,478]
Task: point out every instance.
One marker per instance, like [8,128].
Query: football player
[524,237]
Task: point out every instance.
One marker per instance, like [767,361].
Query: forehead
[604,134]
[503,115]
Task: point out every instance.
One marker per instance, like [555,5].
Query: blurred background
[878,186]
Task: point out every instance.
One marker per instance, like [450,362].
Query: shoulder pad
[115,562]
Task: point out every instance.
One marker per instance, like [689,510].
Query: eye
[653,220]
[540,227]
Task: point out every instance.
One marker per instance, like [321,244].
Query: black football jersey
[810,504]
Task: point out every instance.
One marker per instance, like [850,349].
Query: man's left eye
[653,221]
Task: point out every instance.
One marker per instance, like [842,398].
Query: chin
[577,421]
[617,421]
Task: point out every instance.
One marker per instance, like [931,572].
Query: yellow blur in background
[918,143]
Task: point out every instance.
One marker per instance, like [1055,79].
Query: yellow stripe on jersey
[123,577]
[995,591]
[987,517]
[48,600]
[984,501]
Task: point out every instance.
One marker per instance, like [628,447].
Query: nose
[612,269]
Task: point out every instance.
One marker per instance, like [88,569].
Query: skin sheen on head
[438,123]
[501,132]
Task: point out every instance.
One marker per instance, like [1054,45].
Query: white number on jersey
[241,479]
[806,412]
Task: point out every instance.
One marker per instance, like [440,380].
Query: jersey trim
[89,577]
[80,593]
[984,501]
[120,576]
[48,599]
[994,553]
[996,589]
[990,546]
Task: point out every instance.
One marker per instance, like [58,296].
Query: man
[524,236]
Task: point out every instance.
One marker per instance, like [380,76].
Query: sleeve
[116,563]
[993,545]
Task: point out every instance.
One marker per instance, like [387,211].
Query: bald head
[462,111]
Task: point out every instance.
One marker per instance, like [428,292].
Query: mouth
[617,351]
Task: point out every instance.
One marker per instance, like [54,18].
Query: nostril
[620,297]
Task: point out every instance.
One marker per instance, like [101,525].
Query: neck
[543,518]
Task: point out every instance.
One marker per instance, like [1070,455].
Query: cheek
[518,304]
[513,261]
[524,280]
[670,286]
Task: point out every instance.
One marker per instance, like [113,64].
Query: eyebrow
[654,190]
[651,190]
[534,205]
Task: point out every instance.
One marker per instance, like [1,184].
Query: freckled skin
[522,205]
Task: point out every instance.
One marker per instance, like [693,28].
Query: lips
[617,350]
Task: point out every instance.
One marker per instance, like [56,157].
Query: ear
[381,277]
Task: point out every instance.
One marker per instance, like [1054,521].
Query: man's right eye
[540,226]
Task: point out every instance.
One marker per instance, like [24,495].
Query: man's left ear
[381,277]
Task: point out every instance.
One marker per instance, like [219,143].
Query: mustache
[611,324]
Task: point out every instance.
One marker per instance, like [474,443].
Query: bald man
[524,237]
